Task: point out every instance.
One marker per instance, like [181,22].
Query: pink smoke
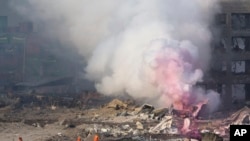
[176,73]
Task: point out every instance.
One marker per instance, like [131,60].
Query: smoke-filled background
[155,50]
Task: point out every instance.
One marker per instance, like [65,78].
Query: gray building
[230,64]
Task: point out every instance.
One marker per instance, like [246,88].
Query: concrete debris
[160,113]
[116,120]
[240,117]
[139,125]
[104,130]
[117,104]
[124,113]
[146,108]
[164,124]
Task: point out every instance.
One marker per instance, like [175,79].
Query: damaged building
[229,74]
[30,61]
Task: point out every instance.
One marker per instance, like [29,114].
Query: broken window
[241,44]
[240,21]
[219,66]
[218,63]
[220,46]
[238,67]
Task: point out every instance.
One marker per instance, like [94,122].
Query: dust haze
[157,50]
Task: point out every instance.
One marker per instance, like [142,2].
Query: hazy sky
[5,10]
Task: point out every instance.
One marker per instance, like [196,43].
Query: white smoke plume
[153,49]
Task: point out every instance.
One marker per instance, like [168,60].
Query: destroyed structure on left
[31,62]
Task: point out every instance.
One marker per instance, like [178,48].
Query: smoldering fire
[154,49]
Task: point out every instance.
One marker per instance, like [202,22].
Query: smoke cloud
[156,50]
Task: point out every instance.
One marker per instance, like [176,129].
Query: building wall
[25,56]
[231,65]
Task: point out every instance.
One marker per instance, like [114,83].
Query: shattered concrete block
[139,125]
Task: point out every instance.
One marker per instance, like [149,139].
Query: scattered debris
[166,123]
[139,125]
[117,104]
[116,120]
[211,137]
[240,117]
[146,108]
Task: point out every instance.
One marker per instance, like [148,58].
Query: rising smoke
[154,49]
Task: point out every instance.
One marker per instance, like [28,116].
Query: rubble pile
[143,122]
[114,120]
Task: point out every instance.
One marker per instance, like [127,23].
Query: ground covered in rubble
[63,118]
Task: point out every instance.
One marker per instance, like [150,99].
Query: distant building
[25,56]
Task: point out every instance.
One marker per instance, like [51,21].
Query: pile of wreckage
[124,120]
[145,123]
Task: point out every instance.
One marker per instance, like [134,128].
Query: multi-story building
[230,65]
[25,56]
[11,54]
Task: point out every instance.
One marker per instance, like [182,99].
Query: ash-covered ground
[62,118]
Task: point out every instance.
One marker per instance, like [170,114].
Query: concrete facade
[230,73]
